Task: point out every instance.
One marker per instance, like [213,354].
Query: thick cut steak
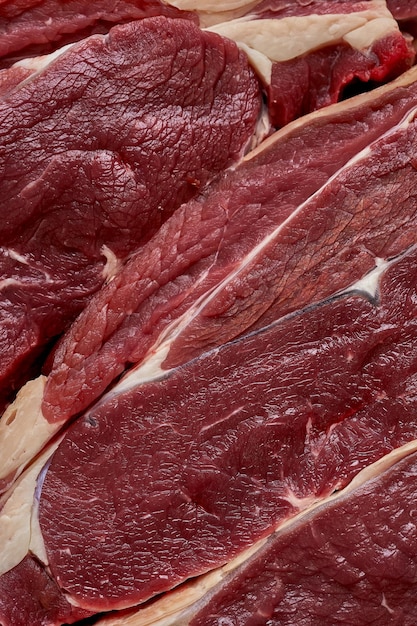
[307,53]
[96,151]
[211,254]
[223,261]
[352,560]
[151,488]
[347,559]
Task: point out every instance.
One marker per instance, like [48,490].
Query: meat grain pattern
[96,152]
[197,282]
[242,389]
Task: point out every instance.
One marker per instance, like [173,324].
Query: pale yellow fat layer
[19,524]
[23,429]
[284,39]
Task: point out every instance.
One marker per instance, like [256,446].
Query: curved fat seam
[262,130]
[333,110]
[20,532]
[259,61]
[210,5]
[23,429]
[173,604]
[176,608]
[113,264]
[211,12]
[15,523]
[39,63]
[151,367]
[290,37]
[362,38]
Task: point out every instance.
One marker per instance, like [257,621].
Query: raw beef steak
[96,151]
[210,260]
[151,488]
[224,262]
[306,53]
[348,560]
[352,561]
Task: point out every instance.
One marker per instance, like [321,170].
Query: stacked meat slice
[97,151]
[246,344]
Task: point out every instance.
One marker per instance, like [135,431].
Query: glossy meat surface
[200,274]
[174,481]
[96,151]
[352,561]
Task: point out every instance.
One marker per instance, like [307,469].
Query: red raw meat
[403,9]
[169,480]
[208,241]
[352,561]
[96,151]
[323,75]
[29,27]
[319,51]
[28,592]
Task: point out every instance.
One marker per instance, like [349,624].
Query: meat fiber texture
[220,265]
[329,566]
[132,506]
[335,265]
[403,9]
[307,54]
[168,479]
[28,27]
[99,147]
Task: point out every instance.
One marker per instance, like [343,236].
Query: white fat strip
[281,40]
[210,5]
[369,283]
[404,80]
[38,64]
[259,61]
[23,428]
[16,256]
[363,37]
[386,606]
[113,264]
[151,368]
[19,524]
[262,130]
[11,282]
[20,258]
[178,607]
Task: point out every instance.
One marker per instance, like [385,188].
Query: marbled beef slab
[230,260]
[350,558]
